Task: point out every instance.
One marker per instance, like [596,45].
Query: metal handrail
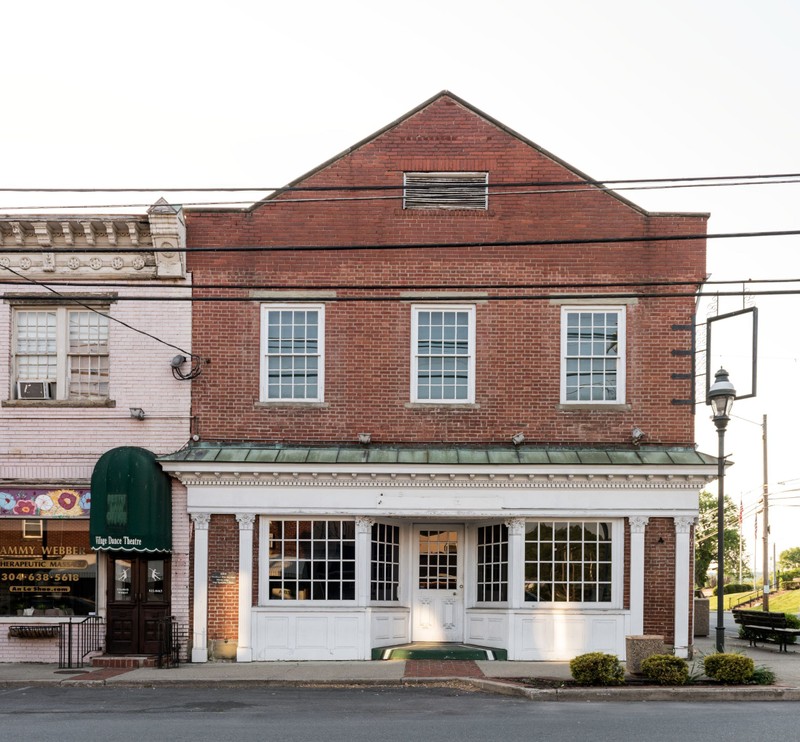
[749,599]
[76,640]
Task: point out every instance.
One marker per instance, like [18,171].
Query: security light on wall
[637,434]
[137,413]
[364,438]
[517,439]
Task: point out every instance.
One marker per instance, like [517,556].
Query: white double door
[438,584]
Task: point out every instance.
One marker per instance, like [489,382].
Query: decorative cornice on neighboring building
[149,247]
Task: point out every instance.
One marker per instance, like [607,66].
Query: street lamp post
[721,396]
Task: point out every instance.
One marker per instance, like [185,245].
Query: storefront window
[46,567]
[312,560]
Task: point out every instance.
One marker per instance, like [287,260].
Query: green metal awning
[131,503]
[440,454]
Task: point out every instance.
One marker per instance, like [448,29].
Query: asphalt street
[45,714]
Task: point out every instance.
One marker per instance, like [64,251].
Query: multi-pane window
[443,354]
[568,562]
[446,191]
[385,563]
[438,560]
[312,560]
[61,353]
[292,342]
[493,563]
[593,355]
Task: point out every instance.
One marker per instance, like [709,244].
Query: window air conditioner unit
[33,390]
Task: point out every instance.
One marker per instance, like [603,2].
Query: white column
[683,528]
[637,525]
[516,562]
[200,609]
[244,649]
[363,559]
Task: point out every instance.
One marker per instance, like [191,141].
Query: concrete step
[438,651]
[124,661]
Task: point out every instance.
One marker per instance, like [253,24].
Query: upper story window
[593,355]
[443,354]
[60,354]
[446,191]
[292,352]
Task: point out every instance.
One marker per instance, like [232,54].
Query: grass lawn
[787,601]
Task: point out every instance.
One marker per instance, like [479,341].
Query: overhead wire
[494,189]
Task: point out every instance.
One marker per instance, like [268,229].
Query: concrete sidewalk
[493,676]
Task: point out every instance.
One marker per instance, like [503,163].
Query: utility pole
[765,564]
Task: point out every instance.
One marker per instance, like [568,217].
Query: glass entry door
[438,584]
[138,599]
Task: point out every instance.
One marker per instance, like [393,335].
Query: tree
[705,538]
[790,558]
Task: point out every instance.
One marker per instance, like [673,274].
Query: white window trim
[264,563]
[617,568]
[264,366]
[415,310]
[62,378]
[621,357]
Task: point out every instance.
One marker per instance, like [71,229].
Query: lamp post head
[721,396]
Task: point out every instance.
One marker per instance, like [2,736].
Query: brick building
[87,390]
[445,401]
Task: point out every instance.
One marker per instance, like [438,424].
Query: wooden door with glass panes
[138,601]
[438,584]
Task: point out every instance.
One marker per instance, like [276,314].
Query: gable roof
[469,107]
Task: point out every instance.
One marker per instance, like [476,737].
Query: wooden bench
[765,626]
[34,631]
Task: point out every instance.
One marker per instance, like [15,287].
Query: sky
[185,94]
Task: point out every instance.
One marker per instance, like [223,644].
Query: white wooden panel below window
[562,636]
[390,627]
[323,635]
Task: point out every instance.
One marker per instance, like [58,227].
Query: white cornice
[239,476]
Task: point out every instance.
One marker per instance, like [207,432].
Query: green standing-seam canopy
[131,503]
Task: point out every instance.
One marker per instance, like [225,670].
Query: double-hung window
[593,355]
[60,354]
[292,352]
[443,354]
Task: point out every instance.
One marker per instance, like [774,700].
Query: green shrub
[762,675]
[597,668]
[735,587]
[666,669]
[731,669]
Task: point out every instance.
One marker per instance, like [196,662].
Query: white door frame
[437,583]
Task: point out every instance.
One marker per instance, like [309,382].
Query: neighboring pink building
[77,381]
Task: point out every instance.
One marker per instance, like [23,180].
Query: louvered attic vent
[446,191]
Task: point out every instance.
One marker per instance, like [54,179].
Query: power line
[626,239]
[79,301]
[377,187]
[491,189]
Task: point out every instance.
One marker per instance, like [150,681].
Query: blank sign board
[732,344]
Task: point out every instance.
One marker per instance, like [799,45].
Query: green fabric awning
[131,503]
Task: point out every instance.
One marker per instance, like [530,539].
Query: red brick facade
[517,291]
[367,352]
